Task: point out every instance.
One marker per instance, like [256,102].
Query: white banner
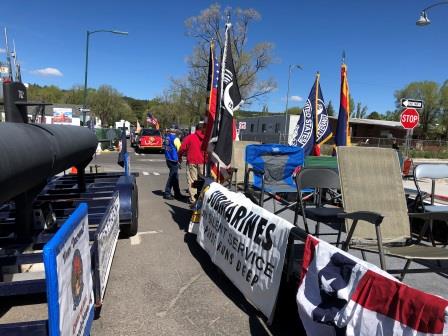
[246,242]
[75,281]
[107,241]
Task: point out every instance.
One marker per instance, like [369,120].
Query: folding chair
[320,180]
[330,162]
[272,167]
[376,213]
[239,163]
[435,173]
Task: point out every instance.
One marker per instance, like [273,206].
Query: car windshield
[150,131]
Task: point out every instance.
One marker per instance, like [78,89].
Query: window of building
[252,128]
[263,127]
[277,127]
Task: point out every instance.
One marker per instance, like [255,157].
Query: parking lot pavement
[162,282]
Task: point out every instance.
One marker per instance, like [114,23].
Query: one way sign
[418,104]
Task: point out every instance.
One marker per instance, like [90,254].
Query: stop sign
[409,118]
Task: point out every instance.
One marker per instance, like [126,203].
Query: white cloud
[47,72]
[2,50]
[296,98]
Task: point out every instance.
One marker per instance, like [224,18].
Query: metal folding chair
[435,173]
[272,167]
[320,180]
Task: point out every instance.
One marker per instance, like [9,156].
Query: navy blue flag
[303,135]
[313,127]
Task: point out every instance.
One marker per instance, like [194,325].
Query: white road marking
[145,173]
[149,232]
[156,173]
[152,160]
[136,240]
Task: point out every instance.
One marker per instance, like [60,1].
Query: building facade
[271,129]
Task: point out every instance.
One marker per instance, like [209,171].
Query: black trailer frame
[102,192]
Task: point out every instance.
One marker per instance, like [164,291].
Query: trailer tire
[132,229]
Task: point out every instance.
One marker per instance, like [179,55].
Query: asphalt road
[162,282]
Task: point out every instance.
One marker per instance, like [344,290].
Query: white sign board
[62,116]
[107,238]
[247,242]
[242,125]
[69,277]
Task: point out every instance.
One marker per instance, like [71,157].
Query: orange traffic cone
[73,170]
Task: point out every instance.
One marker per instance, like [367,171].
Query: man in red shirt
[191,148]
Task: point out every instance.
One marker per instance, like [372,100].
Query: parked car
[149,139]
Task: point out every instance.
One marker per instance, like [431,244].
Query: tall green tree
[75,95]
[107,103]
[49,94]
[295,110]
[250,59]
[429,92]
[330,109]
[443,120]
[265,110]
[374,115]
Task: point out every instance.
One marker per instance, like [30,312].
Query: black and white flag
[223,132]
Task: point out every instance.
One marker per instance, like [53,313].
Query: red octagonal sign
[409,118]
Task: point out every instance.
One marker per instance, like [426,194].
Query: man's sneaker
[168,197]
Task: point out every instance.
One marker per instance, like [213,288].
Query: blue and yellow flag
[342,137]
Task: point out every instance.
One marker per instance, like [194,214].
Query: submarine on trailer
[32,153]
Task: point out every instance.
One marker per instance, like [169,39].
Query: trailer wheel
[132,229]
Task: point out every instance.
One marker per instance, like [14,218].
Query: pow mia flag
[231,100]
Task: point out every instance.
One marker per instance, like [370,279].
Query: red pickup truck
[149,139]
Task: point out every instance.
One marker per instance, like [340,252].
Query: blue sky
[385,49]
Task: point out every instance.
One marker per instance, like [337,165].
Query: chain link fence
[417,149]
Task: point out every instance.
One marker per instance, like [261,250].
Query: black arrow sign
[413,103]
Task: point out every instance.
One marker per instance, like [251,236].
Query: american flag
[230,101]
[151,120]
[212,104]
[212,91]
[340,294]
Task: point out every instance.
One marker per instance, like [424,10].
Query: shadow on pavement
[286,321]
[158,192]
[286,318]
[180,215]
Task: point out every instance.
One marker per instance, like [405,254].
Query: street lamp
[291,66]
[84,104]
[423,19]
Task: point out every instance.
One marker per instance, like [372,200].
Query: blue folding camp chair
[273,166]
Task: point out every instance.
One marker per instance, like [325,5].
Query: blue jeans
[173,179]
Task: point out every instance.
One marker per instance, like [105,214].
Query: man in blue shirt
[171,145]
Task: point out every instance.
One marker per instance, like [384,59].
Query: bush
[442,154]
